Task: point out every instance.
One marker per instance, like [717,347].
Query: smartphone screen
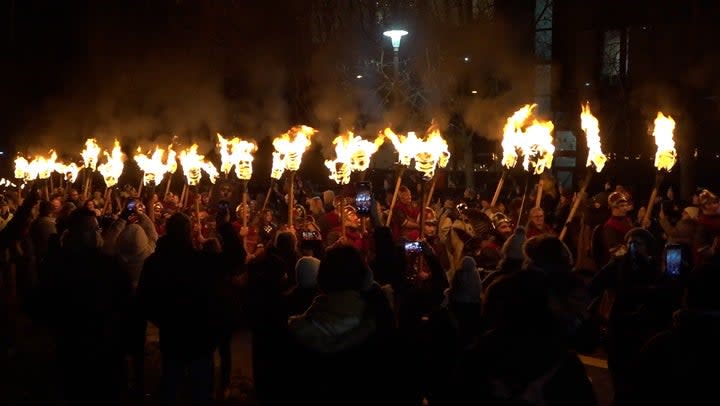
[132,205]
[413,247]
[673,260]
[363,199]
[310,235]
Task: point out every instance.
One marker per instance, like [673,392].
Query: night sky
[146,70]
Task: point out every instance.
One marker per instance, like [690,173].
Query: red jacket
[401,213]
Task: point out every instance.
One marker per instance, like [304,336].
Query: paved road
[28,378]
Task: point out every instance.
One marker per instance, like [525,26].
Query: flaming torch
[152,167]
[22,168]
[596,158]
[194,165]
[538,149]
[90,156]
[69,172]
[665,156]
[171,166]
[406,147]
[111,170]
[291,146]
[278,168]
[340,167]
[238,153]
[432,155]
[511,143]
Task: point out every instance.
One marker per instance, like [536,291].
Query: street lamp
[395,37]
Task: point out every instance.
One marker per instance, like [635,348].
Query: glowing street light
[395,37]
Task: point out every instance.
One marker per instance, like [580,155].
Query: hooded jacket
[334,322]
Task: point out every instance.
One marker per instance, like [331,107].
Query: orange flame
[171,162]
[113,167]
[429,153]
[538,144]
[293,144]
[362,150]
[238,153]
[339,167]
[278,165]
[153,167]
[69,171]
[666,155]
[90,154]
[590,125]
[432,152]
[512,135]
[39,168]
[22,168]
[406,146]
[194,164]
[534,142]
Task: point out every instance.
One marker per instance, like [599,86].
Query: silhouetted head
[342,268]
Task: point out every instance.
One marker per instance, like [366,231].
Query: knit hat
[513,247]
[466,285]
[306,271]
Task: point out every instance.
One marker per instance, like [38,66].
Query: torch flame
[538,144]
[153,168]
[238,153]
[429,153]
[69,171]
[340,167]
[293,144]
[590,125]
[171,163]
[512,135]
[91,154]
[432,152]
[194,164]
[406,146]
[22,168]
[535,141]
[278,165]
[666,155]
[362,150]
[113,167]
[39,168]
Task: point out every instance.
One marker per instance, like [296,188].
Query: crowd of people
[466,303]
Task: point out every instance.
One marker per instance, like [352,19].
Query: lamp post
[395,37]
